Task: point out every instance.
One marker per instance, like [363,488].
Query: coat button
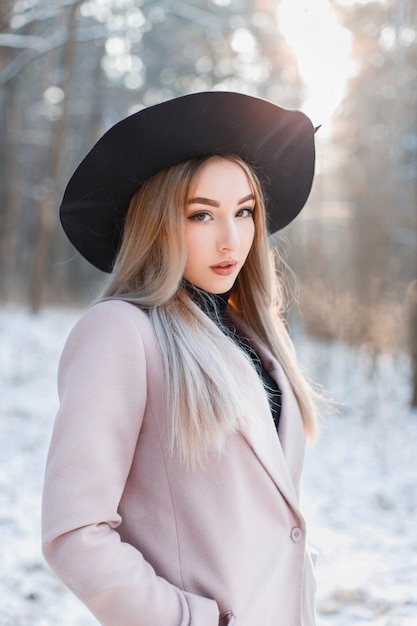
[296,534]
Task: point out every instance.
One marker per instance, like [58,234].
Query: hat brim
[278,143]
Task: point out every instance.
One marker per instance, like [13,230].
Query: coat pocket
[227,619]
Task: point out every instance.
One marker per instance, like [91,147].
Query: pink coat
[141,540]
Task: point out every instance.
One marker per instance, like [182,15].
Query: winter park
[69,70]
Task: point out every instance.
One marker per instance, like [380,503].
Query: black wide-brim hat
[278,143]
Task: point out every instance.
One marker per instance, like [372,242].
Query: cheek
[194,244]
[192,241]
[249,235]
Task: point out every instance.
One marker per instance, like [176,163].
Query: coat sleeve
[102,388]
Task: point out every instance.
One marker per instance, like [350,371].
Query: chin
[221,286]
[214,285]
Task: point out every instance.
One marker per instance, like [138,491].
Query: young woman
[172,483]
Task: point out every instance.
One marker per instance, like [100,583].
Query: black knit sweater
[215,307]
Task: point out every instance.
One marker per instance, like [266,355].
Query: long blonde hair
[203,392]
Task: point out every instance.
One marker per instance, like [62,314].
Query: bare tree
[6,9]
[412,300]
[50,198]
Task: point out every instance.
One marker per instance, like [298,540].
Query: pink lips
[224,268]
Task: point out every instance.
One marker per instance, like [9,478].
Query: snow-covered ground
[360,486]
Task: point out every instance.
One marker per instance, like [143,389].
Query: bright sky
[322,47]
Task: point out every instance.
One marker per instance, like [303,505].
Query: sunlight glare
[322,48]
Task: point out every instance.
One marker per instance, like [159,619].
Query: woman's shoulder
[112,322]
[109,311]
[114,313]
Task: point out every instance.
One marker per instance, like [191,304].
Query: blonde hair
[203,392]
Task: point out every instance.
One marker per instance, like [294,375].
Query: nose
[228,237]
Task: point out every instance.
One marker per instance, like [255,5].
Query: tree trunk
[10,173]
[412,316]
[47,213]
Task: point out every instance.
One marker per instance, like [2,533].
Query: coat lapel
[283,456]
[291,429]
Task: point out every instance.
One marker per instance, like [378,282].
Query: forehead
[222,175]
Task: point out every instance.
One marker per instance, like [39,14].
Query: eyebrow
[214,203]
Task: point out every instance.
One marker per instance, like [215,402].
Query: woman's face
[219,227]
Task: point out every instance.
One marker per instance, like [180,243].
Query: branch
[39,12]
[10,40]
[37,46]
[196,15]
[42,45]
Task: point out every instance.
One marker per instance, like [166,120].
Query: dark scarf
[215,307]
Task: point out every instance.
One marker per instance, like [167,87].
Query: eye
[245,212]
[201,217]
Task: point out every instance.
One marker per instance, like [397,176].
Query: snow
[360,481]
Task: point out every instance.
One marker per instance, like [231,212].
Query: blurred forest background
[71,68]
